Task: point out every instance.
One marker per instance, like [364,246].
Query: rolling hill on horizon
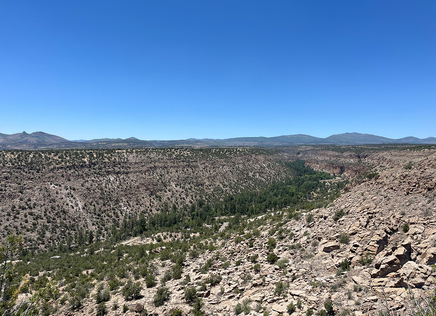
[42,140]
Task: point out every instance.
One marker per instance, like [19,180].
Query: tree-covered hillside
[52,197]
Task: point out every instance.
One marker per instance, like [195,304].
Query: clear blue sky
[157,69]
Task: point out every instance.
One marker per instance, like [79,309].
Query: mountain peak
[42,140]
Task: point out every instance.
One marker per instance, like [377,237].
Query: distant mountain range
[41,140]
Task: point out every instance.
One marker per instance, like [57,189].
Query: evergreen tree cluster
[306,189]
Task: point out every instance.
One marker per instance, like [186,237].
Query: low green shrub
[408,165]
[162,295]
[344,238]
[246,306]
[345,266]
[271,244]
[338,215]
[206,266]
[309,218]
[190,294]
[131,290]
[272,258]
[238,309]
[177,312]
[291,308]
[254,258]
[101,309]
[214,279]
[280,289]
[282,263]
[150,280]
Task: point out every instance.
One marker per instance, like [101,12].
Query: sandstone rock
[431,231]
[379,282]
[377,243]
[215,290]
[223,227]
[360,280]
[395,282]
[258,297]
[400,252]
[257,282]
[391,291]
[355,261]
[428,257]
[139,308]
[417,282]
[415,274]
[297,293]
[371,299]
[389,264]
[415,229]
[409,269]
[354,229]
[390,261]
[378,259]
[312,298]
[279,308]
[330,246]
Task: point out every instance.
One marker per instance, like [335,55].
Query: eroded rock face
[392,260]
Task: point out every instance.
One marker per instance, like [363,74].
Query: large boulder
[139,308]
[330,246]
[415,275]
[389,264]
[428,256]
[377,243]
